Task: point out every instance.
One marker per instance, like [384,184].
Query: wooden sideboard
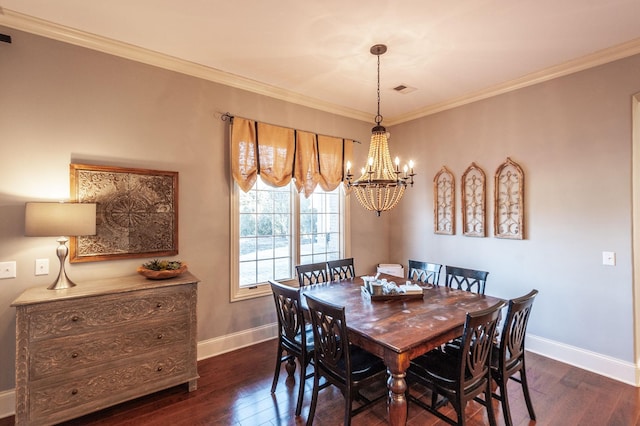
[101,343]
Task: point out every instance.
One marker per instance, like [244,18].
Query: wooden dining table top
[402,324]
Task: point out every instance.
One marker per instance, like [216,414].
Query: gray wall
[572,137]
[61,104]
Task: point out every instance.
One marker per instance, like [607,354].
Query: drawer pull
[74,355]
[160,336]
[159,368]
[74,391]
[75,318]
[159,305]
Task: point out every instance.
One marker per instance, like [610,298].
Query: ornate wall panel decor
[508,218]
[137,212]
[474,201]
[444,202]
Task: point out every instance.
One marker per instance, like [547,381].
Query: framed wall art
[444,202]
[136,212]
[473,201]
[508,212]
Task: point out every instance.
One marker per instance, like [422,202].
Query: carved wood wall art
[508,219]
[474,201]
[444,202]
[137,212]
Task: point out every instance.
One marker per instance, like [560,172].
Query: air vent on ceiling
[404,89]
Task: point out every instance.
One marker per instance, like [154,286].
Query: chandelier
[381,184]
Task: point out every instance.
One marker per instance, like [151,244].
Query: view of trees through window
[280,229]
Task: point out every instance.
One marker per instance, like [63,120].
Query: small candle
[397,164]
[370,163]
[411,165]
[348,167]
[405,169]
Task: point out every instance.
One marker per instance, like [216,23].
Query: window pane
[247,202]
[282,268]
[247,249]
[247,225]
[265,247]
[265,270]
[247,273]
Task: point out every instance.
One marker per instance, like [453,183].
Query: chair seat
[364,364]
[439,367]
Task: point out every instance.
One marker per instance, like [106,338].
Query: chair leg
[504,400]
[314,399]
[347,406]
[460,407]
[488,403]
[303,375]
[525,390]
[276,375]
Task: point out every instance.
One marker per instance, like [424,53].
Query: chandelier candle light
[381,184]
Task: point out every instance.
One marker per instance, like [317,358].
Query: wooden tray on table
[391,296]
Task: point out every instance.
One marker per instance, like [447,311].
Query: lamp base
[62,282]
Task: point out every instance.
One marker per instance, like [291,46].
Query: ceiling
[317,52]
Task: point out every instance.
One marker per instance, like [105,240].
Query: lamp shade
[59,219]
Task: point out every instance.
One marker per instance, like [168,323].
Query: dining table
[398,329]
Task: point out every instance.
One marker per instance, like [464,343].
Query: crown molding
[65,34]
[600,57]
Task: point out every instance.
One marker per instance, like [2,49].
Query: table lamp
[61,220]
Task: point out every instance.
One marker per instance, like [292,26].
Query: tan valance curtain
[279,154]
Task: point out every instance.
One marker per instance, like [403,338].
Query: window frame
[239,293]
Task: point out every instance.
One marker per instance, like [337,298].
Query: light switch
[42,266]
[7,270]
[609,258]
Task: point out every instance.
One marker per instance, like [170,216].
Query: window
[275,229]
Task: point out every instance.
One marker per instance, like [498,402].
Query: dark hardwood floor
[234,389]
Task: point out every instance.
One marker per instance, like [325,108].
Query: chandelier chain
[378,117]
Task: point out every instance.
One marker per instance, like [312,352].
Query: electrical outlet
[609,258]
[42,266]
[7,270]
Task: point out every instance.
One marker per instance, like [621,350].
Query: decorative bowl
[161,274]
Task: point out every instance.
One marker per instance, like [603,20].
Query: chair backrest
[466,279]
[290,313]
[477,342]
[511,347]
[331,352]
[425,272]
[341,269]
[312,273]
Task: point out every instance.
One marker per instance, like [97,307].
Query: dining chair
[294,337]
[460,376]
[466,279]
[424,272]
[343,365]
[508,355]
[312,273]
[341,269]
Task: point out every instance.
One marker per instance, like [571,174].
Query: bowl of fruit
[162,269]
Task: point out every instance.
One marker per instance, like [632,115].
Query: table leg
[397,402]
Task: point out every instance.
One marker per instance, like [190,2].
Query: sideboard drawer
[57,397]
[59,356]
[57,319]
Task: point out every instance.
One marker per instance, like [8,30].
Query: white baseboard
[7,403]
[614,368]
[231,342]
